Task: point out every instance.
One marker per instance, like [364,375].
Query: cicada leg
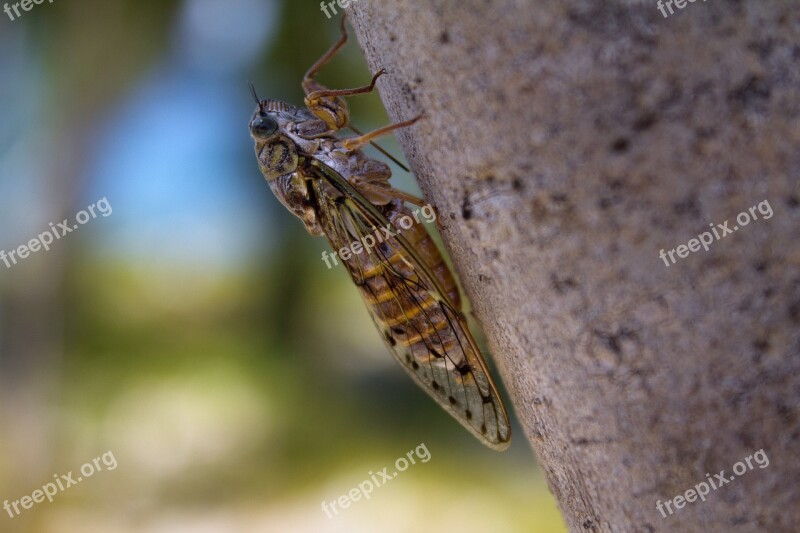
[371,178]
[383,194]
[327,104]
[322,61]
[356,143]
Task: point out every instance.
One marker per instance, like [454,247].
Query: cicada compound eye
[263,125]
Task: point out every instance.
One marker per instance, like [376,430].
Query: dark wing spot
[468,414]
[408,358]
[399,331]
[388,336]
[487,399]
[415,365]
[463,369]
[483,428]
[452,400]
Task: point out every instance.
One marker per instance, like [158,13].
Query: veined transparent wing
[414,315]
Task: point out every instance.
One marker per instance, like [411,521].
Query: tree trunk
[565,143]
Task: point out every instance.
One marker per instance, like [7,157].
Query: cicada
[328,182]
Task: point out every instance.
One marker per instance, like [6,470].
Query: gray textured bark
[565,143]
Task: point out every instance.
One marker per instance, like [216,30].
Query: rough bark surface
[566,142]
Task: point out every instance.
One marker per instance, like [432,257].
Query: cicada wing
[422,329]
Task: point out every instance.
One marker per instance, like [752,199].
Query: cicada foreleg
[322,61]
[328,104]
[373,179]
[356,143]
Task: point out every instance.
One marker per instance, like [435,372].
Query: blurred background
[195,332]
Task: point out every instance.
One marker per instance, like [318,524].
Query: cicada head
[277,154]
[278,158]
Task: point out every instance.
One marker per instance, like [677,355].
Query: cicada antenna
[255,97]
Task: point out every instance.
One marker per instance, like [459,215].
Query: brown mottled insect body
[337,191]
